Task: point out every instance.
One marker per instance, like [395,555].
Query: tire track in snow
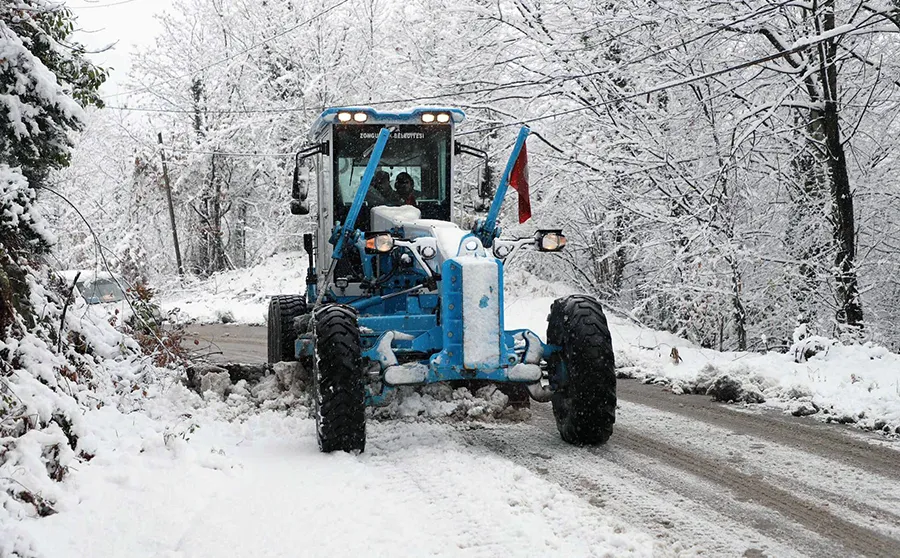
[831,442]
[850,493]
[690,515]
[745,487]
[747,499]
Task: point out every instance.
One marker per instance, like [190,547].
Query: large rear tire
[582,372]
[281,335]
[338,381]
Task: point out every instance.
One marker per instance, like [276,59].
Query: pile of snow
[239,296]
[858,384]
[441,402]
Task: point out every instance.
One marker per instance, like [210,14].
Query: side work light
[550,240]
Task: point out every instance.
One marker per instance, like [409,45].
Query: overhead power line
[547,80]
[110,5]
[239,53]
[800,46]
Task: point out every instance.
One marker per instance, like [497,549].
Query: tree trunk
[739,314]
[850,309]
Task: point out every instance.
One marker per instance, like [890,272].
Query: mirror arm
[463,149]
[311,150]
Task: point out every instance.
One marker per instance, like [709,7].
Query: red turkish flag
[518,179]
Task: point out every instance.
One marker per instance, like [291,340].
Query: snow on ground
[857,384]
[850,384]
[176,480]
[178,475]
[240,296]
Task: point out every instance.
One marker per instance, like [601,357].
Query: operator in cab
[404,187]
[381,193]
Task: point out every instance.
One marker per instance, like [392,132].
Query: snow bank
[239,296]
[46,385]
[857,384]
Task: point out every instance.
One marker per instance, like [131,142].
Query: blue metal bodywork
[443,324]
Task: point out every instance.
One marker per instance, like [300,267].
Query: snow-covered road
[681,476]
[706,477]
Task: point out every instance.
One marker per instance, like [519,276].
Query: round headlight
[360,117]
[428,118]
[344,116]
[380,243]
[443,118]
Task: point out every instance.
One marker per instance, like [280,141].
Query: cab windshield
[417,152]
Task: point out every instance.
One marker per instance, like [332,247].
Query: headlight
[360,117]
[379,243]
[443,118]
[344,116]
[550,241]
[428,118]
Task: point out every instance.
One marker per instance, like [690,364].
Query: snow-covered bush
[50,367]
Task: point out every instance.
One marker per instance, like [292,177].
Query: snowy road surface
[185,477]
[699,476]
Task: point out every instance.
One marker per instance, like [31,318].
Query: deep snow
[167,484]
[240,296]
[175,474]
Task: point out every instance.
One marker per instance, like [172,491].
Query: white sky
[124,23]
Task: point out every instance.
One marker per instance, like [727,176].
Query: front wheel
[582,371]
[340,395]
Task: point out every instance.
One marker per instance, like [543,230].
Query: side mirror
[299,207]
[300,191]
[482,201]
[300,187]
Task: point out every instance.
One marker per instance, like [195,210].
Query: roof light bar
[443,118]
[360,117]
[344,116]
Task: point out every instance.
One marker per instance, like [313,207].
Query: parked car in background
[102,291]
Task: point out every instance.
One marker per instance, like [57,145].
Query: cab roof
[411,116]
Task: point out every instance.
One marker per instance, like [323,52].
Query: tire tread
[585,408]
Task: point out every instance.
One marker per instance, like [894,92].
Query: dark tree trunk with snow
[849,309]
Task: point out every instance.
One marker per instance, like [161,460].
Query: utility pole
[165,168]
